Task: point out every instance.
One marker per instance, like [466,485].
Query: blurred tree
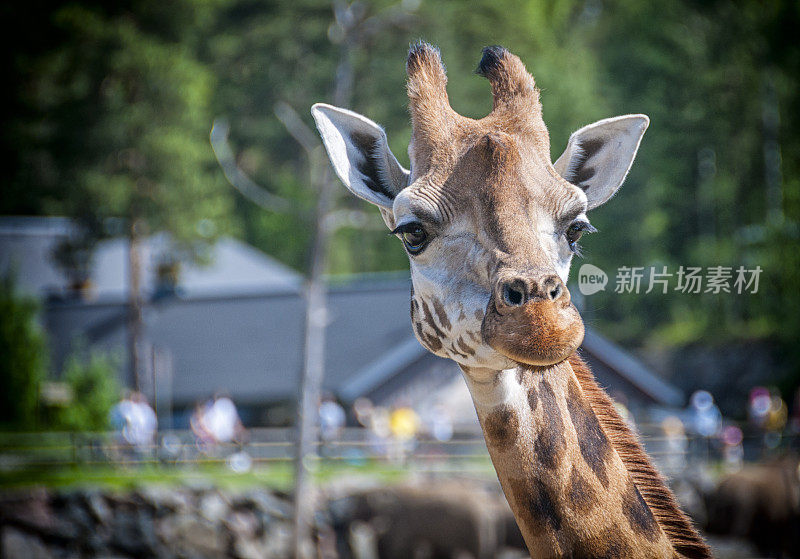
[23,365]
[120,112]
[92,380]
[719,81]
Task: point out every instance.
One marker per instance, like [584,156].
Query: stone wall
[149,522]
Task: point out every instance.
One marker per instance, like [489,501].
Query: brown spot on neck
[580,495]
[550,444]
[501,427]
[535,505]
[612,545]
[639,515]
[592,441]
[533,398]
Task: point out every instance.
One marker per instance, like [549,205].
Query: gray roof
[631,369]
[248,345]
[27,245]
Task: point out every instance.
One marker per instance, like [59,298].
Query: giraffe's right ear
[360,155]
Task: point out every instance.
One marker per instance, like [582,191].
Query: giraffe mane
[676,525]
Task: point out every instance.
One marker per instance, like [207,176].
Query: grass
[276,475]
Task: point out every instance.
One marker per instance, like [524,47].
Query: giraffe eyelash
[576,230]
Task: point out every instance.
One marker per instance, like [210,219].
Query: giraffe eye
[575,232]
[414,237]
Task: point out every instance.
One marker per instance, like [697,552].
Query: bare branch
[238,179]
[296,127]
[350,218]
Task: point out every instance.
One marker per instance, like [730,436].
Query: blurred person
[705,415]
[331,418]
[222,420]
[769,413]
[677,443]
[118,417]
[732,450]
[376,420]
[142,423]
[203,437]
[777,414]
[758,405]
[362,410]
[775,420]
[403,424]
[136,422]
[380,431]
[119,412]
[439,423]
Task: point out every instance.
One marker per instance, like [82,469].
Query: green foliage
[23,364]
[697,195]
[120,114]
[92,380]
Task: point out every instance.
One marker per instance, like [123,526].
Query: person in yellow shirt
[403,424]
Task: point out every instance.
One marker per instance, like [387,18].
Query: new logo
[591,279]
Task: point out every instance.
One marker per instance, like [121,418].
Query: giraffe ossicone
[490,226]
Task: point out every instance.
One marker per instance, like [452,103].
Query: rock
[132,532]
[75,511]
[33,510]
[19,545]
[270,505]
[242,523]
[277,541]
[213,507]
[97,506]
[189,536]
[248,549]
[164,499]
[153,521]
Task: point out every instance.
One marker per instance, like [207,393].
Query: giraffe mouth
[539,333]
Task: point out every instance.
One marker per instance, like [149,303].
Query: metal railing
[19,451]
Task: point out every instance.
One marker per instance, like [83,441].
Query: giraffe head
[490,225]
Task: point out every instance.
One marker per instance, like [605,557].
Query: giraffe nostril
[513,295]
[555,292]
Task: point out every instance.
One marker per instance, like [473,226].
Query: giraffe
[490,226]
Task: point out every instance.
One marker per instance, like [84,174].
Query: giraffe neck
[575,485]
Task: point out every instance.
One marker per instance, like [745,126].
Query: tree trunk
[135,320]
[316,320]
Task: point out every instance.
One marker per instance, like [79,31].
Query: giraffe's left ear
[599,156]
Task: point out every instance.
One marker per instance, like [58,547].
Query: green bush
[93,384]
[24,357]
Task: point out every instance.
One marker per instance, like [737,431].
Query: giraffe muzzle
[531,319]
